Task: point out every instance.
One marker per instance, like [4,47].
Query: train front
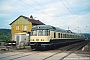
[40,38]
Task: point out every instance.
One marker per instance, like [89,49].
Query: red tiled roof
[33,21]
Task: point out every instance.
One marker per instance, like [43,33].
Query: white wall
[22,37]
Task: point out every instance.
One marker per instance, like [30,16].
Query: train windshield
[34,33]
[43,32]
[40,33]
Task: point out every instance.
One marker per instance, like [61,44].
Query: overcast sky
[74,14]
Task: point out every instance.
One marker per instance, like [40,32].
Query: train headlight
[32,39]
[37,39]
[42,39]
[9,43]
[14,43]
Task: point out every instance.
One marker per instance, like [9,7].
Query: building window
[25,27]
[17,27]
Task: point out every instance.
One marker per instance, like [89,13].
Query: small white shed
[21,37]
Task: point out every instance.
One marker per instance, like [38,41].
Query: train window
[54,35]
[34,33]
[68,36]
[65,35]
[72,36]
[48,32]
[61,35]
[45,32]
[75,36]
[58,35]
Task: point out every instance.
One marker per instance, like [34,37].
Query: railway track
[23,54]
[71,48]
[74,49]
[12,55]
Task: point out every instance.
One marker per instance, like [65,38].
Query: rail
[73,47]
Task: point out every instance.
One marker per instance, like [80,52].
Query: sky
[65,14]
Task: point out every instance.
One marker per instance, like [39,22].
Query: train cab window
[40,33]
[34,33]
[43,33]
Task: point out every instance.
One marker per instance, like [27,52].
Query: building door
[17,39]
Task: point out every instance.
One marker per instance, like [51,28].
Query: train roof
[49,27]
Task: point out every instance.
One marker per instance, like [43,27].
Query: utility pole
[78,29]
[68,28]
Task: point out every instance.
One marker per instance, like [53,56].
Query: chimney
[31,17]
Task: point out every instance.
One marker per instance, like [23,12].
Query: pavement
[28,54]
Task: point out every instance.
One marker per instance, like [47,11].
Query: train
[48,37]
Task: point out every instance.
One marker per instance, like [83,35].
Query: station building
[21,28]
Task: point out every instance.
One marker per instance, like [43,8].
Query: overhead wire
[32,7]
[76,15]
[72,13]
[62,2]
[41,5]
[68,9]
[38,9]
[48,10]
